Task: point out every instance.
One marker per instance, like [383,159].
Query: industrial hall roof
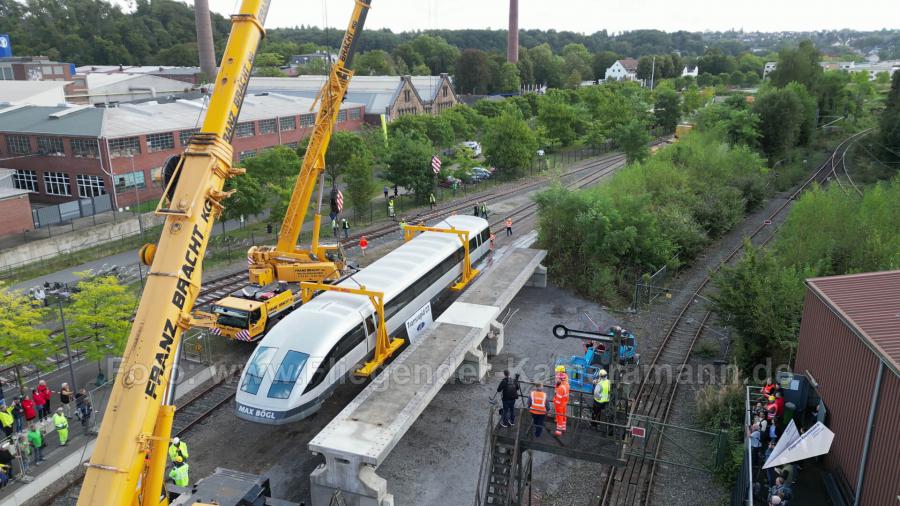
[136,119]
[870,304]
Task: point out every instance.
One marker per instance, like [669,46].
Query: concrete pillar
[539,278]
[205,39]
[474,367]
[357,483]
[493,342]
[512,38]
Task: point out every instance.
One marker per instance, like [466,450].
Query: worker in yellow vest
[601,396]
[538,408]
[62,426]
[178,448]
[179,472]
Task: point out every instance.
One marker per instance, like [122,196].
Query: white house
[623,70]
[690,70]
[769,68]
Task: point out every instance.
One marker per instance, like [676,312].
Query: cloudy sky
[591,15]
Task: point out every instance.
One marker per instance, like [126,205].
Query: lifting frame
[468,273]
[385,347]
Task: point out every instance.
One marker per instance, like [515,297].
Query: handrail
[485,468]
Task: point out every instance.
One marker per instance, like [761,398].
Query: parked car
[449,182]
[474,146]
[479,173]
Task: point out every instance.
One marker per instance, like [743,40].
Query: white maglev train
[301,360]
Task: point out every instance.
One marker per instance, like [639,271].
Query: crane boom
[129,459]
[285,261]
[330,98]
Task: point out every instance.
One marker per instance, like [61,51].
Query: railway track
[632,484]
[840,162]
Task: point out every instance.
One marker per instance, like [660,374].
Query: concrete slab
[469,315]
[363,434]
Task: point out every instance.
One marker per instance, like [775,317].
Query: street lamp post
[136,197]
[62,319]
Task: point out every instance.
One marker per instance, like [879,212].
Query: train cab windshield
[256,369]
[286,375]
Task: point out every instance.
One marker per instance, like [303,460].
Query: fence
[742,491]
[67,211]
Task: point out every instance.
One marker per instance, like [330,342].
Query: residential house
[623,70]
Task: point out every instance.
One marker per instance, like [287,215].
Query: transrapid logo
[258,413]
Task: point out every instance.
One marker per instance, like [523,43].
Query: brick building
[392,96]
[14,206]
[67,152]
[34,68]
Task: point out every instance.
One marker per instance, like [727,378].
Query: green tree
[473,72]
[249,198]
[344,146]
[561,120]
[508,143]
[578,59]
[799,64]
[691,99]
[374,63]
[360,185]
[22,338]
[667,109]
[715,62]
[268,60]
[275,164]
[509,79]
[409,162]
[781,115]
[632,139]
[889,124]
[436,53]
[548,67]
[100,317]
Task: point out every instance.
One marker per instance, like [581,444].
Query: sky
[589,16]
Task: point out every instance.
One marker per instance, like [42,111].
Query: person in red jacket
[40,404]
[47,393]
[29,408]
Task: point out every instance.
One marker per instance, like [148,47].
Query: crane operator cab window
[255,315]
[231,317]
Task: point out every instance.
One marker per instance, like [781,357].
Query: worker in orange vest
[363,244]
[508,227]
[561,399]
[538,408]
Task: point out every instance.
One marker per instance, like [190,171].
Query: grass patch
[706,349]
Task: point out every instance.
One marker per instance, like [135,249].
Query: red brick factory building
[849,350]
[67,152]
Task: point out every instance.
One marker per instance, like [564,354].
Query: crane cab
[246,314]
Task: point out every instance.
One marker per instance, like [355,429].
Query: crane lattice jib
[330,98]
[128,462]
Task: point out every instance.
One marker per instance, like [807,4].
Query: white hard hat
[602,372]
[175,440]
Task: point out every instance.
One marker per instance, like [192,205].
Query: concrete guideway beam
[360,438]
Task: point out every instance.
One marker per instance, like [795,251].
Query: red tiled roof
[630,64]
[870,304]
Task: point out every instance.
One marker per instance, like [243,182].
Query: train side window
[322,370]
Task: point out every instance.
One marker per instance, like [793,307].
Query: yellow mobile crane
[275,271]
[128,463]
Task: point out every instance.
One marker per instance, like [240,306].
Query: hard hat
[179,459]
[560,368]
[775,499]
[59,409]
[175,440]
[603,372]
[771,397]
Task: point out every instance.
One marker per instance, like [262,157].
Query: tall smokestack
[205,39]
[512,38]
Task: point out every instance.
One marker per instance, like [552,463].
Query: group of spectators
[29,418]
[766,427]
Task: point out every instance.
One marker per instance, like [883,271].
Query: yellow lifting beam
[468,273]
[385,347]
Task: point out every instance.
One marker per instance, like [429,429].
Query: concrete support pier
[359,439]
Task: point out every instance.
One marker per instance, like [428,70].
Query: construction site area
[602,316]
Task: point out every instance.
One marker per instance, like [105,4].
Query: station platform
[360,438]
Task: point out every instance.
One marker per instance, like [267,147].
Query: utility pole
[62,319]
[652,72]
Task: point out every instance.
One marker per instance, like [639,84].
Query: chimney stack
[205,39]
[512,38]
